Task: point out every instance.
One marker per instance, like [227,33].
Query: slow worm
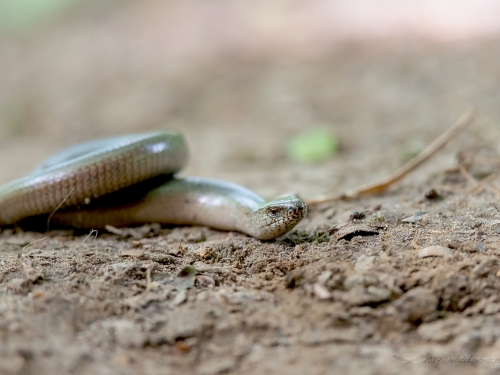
[129,180]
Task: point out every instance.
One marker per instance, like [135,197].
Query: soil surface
[412,287]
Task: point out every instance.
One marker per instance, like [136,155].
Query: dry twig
[58,207]
[414,243]
[397,175]
[465,173]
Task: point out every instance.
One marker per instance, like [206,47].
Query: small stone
[495,225]
[186,321]
[440,331]
[360,296]
[37,293]
[416,217]
[354,280]
[204,280]
[321,292]
[491,308]
[471,340]
[379,294]
[180,297]
[128,333]
[364,263]
[17,284]
[242,345]
[195,235]
[324,277]
[205,252]
[216,366]
[133,253]
[417,305]
[478,308]
[123,360]
[434,251]
[175,250]
[484,268]
[13,365]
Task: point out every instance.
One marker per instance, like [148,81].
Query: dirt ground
[195,300]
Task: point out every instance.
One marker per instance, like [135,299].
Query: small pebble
[434,251]
[364,263]
[320,291]
[324,277]
[204,280]
[205,252]
[413,218]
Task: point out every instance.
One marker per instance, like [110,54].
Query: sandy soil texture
[415,292]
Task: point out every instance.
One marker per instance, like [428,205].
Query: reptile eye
[273,211]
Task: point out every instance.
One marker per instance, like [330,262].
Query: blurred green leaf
[19,15]
[313,146]
[411,148]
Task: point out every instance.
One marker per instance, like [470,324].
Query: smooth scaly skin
[98,183]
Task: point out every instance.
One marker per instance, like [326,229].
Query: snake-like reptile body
[128,180]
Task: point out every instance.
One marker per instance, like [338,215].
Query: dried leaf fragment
[350,231]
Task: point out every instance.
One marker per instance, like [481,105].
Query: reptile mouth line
[282,222]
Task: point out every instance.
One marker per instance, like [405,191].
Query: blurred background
[248,81]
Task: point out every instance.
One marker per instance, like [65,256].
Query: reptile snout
[298,210]
[278,217]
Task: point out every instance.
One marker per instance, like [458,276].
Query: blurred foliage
[411,148]
[17,15]
[21,15]
[314,146]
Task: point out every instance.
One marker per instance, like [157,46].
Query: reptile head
[277,217]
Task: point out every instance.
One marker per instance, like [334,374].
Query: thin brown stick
[92,232]
[414,243]
[31,243]
[149,284]
[377,188]
[58,207]
[467,176]
[493,190]
[481,184]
